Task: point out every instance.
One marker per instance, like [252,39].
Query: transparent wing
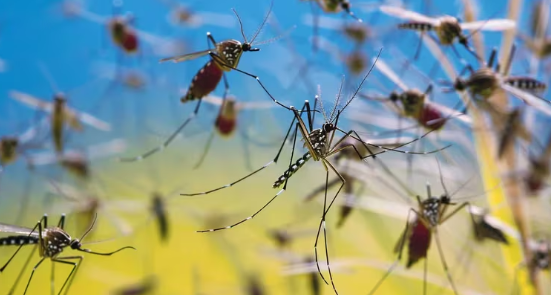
[532,100]
[490,25]
[31,101]
[185,57]
[161,45]
[212,99]
[255,105]
[89,120]
[14,229]
[389,73]
[449,112]
[409,15]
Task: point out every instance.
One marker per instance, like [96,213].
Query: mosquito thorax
[431,209]
[8,146]
[412,100]
[356,33]
[448,30]
[482,83]
[55,239]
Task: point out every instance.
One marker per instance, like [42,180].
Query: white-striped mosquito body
[223,58]
[430,214]
[61,115]
[483,83]
[51,242]
[448,29]
[226,122]
[321,144]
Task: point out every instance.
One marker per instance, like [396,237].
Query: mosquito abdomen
[431,118]
[294,168]
[418,242]
[417,26]
[18,240]
[204,82]
[526,83]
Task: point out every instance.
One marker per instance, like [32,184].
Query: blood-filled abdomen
[431,118]
[204,82]
[418,242]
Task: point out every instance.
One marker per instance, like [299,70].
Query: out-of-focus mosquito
[77,162]
[145,286]
[14,146]
[181,15]
[51,242]
[224,58]
[320,145]
[485,82]
[355,61]
[447,28]
[430,214]
[122,32]
[226,121]
[61,115]
[538,42]
[484,227]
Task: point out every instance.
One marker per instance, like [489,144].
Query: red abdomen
[533,183]
[431,118]
[418,243]
[204,82]
[130,42]
[225,125]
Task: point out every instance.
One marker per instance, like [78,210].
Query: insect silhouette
[226,121]
[448,29]
[485,82]
[484,229]
[224,58]
[320,146]
[430,214]
[51,242]
[61,115]
[14,146]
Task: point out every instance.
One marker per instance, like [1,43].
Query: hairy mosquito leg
[73,272]
[400,247]
[44,220]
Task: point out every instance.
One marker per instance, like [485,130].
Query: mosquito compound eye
[328,127]
[246,47]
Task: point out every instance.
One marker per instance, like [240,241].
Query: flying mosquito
[537,41]
[224,58]
[181,15]
[61,115]
[226,121]
[486,82]
[122,32]
[484,228]
[447,28]
[14,146]
[320,146]
[430,214]
[51,242]
[78,162]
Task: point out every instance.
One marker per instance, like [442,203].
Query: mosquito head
[76,244]
[345,5]
[247,47]
[59,97]
[329,127]
[460,84]
[394,96]
[446,200]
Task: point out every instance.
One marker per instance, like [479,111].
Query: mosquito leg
[20,275]
[257,170]
[246,148]
[322,224]
[205,150]
[425,275]
[61,223]
[418,48]
[73,272]
[52,279]
[399,248]
[273,198]
[32,273]
[37,226]
[315,28]
[444,263]
[320,189]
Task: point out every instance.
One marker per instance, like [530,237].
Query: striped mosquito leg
[37,226]
[276,158]
[292,170]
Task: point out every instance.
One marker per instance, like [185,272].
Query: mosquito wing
[409,15]
[490,25]
[451,113]
[215,100]
[89,119]
[255,105]
[389,73]
[188,56]
[14,229]
[532,100]
[32,101]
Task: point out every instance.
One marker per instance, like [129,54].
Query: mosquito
[483,227]
[430,214]
[61,115]
[447,28]
[77,162]
[320,146]
[226,121]
[182,15]
[224,58]
[538,41]
[51,242]
[485,82]
[538,171]
[14,146]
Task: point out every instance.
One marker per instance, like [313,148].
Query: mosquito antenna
[363,80]
[91,227]
[337,100]
[322,108]
[240,25]
[509,60]
[282,35]
[429,194]
[263,22]
[441,176]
